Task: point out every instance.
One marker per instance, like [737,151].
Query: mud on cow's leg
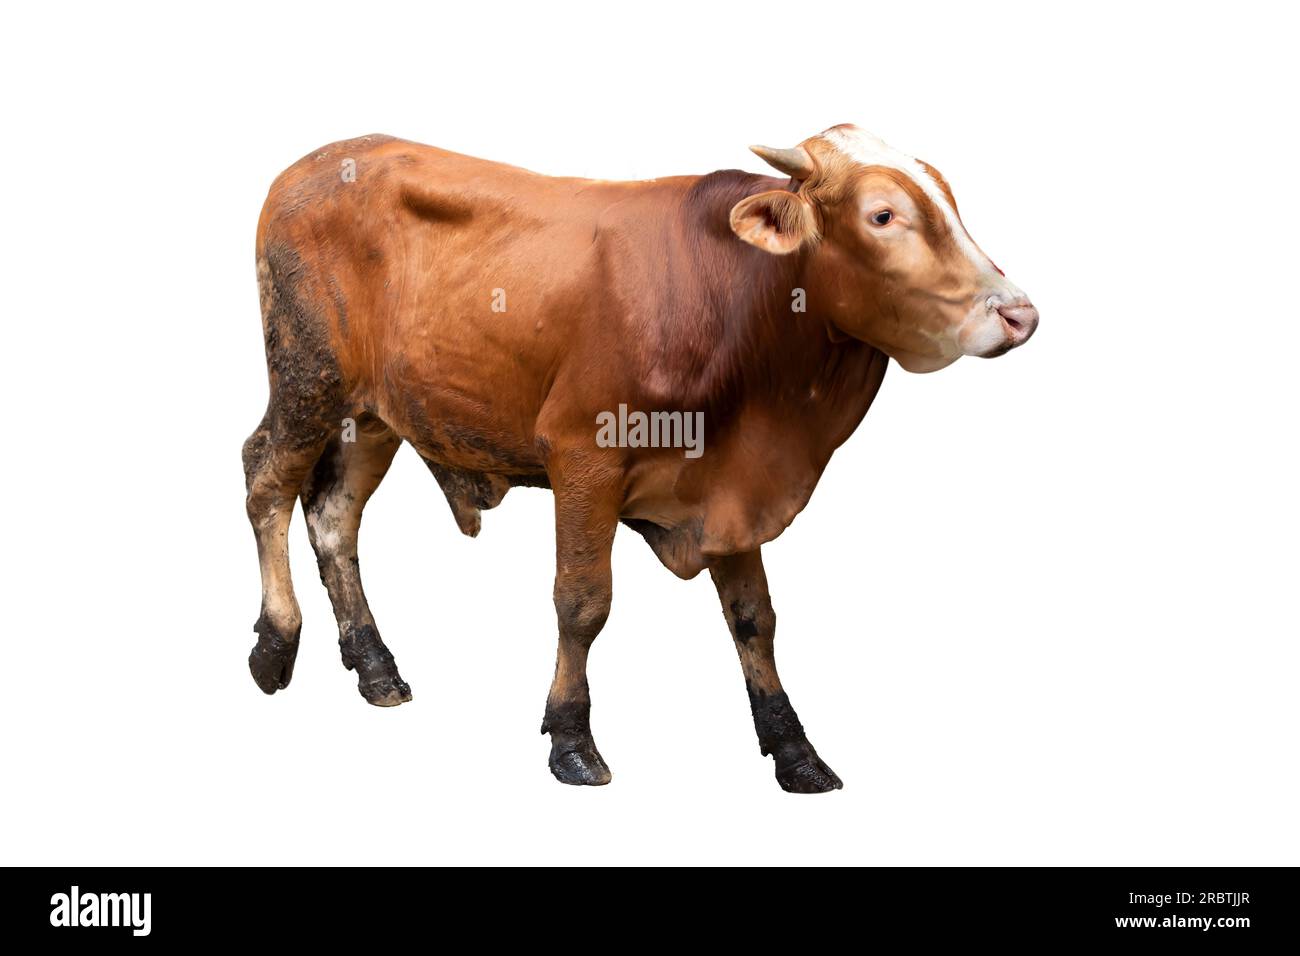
[306,401]
[586,517]
[273,474]
[333,499]
[742,588]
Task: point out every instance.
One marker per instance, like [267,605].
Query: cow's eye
[882,218]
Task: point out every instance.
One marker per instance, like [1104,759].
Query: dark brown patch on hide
[307,400]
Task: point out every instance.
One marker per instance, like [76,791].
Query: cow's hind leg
[274,471]
[307,400]
[586,517]
[333,498]
[742,588]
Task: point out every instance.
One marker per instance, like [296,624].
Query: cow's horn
[795,163]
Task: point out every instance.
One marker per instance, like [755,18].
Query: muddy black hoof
[580,767]
[376,671]
[386,691]
[805,772]
[272,657]
[574,757]
[377,677]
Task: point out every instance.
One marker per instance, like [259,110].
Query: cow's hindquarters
[314,442]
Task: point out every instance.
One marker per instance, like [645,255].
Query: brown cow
[499,320]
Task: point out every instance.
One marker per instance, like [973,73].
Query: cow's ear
[778,222]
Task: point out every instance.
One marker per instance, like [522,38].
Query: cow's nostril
[1021,320]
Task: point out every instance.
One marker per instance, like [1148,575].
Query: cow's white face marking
[972,325]
[868,149]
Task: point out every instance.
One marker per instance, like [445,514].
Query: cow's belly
[450,434]
[471,407]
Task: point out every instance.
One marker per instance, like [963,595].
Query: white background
[1040,609]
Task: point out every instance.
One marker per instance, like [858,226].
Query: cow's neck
[757,333]
[781,393]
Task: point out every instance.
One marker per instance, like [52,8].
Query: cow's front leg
[586,515]
[742,588]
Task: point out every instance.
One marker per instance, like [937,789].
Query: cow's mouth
[1002,349]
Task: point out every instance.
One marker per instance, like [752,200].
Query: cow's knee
[582,609]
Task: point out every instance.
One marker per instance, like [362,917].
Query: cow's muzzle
[1008,323]
[1019,319]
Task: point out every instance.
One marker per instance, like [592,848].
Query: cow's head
[888,259]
